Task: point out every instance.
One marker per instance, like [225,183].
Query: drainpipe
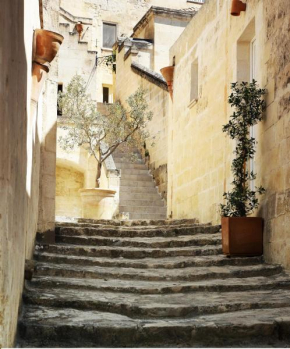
[237,7]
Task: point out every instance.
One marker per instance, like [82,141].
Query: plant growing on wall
[101,134]
[247,99]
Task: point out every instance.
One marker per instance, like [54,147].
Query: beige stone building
[103,23]
[27,151]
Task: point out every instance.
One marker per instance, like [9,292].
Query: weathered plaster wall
[200,154]
[68,183]
[46,220]
[22,128]
[128,81]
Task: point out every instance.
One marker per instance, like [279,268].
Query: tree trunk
[98,176]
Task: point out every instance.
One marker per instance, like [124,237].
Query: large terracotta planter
[46,45]
[237,7]
[97,203]
[168,74]
[242,236]
[39,73]
[79,28]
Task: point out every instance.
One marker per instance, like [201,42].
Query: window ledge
[192,103]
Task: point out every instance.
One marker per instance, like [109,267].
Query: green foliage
[247,99]
[101,134]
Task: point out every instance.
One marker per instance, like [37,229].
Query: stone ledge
[149,75]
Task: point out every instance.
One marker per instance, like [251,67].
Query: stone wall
[21,134]
[212,52]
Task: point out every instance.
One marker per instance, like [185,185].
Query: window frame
[103,31]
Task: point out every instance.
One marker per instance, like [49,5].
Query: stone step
[140,196]
[165,231]
[132,190]
[184,274]
[135,171]
[137,183]
[136,177]
[53,327]
[138,216]
[153,203]
[151,242]
[178,305]
[163,287]
[129,165]
[143,209]
[128,160]
[131,252]
[145,263]
[143,224]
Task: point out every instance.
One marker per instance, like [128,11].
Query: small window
[109,35]
[59,89]
[194,81]
[106,93]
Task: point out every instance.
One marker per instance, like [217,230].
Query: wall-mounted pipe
[79,28]
[168,74]
[237,7]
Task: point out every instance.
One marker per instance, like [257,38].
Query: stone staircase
[139,198]
[151,284]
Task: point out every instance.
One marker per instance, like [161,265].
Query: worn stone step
[138,216]
[135,171]
[137,196]
[137,183]
[161,287]
[136,177]
[184,274]
[151,242]
[133,189]
[156,306]
[142,224]
[53,327]
[169,231]
[143,209]
[127,160]
[142,202]
[131,252]
[166,263]
[129,165]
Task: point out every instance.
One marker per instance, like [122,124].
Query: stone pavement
[151,284]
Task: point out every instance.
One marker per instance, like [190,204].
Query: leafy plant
[101,134]
[247,99]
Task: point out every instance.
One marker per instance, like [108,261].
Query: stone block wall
[200,154]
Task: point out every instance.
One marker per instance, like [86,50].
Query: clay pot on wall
[46,45]
[168,74]
[237,7]
[39,73]
[79,28]
[242,236]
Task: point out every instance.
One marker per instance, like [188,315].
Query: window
[109,35]
[106,93]
[59,89]
[194,81]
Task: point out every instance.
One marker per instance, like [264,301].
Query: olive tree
[101,134]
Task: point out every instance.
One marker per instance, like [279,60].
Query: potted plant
[242,235]
[100,135]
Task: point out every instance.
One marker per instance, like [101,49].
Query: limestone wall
[212,52]
[21,134]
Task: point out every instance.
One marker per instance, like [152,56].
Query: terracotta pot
[98,203]
[242,236]
[237,7]
[39,74]
[46,45]
[79,28]
[168,74]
